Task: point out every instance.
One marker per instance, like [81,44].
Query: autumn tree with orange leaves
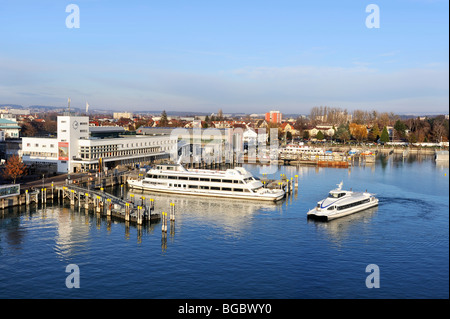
[14,168]
[358,131]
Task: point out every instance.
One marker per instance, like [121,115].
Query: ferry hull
[325,216]
[266,197]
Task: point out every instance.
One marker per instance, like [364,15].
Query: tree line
[362,125]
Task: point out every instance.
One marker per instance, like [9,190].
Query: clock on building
[75,125]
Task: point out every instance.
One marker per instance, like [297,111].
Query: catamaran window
[335,195]
[354,204]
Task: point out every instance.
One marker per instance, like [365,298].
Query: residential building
[10,128]
[274,117]
[119,115]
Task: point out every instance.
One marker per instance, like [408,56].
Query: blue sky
[240,56]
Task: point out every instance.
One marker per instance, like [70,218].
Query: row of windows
[114,153]
[43,145]
[201,179]
[203,187]
[43,154]
[354,204]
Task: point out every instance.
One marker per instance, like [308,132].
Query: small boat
[340,203]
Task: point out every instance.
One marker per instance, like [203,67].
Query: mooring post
[172,211]
[72,198]
[108,207]
[127,212]
[164,222]
[86,203]
[99,203]
[296,181]
[139,215]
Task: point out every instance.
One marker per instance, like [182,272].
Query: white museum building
[75,149]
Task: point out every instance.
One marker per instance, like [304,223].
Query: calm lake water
[235,249]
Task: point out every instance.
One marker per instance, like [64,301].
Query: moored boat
[235,183]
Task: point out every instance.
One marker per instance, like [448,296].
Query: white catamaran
[341,203]
[231,183]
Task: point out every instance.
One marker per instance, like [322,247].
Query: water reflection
[232,216]
[339,229]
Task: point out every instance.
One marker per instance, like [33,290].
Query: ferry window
[333,195]
[227,181]
[193,186]
[238,190]
[204,179]
[173,177]
[193,178]
[215,180]
[215,188]
[183,178]
[226,189]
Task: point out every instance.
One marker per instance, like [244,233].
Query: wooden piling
[172,211]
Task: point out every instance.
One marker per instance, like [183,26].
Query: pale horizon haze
[239,56]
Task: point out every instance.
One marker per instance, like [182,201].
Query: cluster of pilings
[132,210]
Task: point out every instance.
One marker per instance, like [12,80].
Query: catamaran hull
[264,197]
[323,215]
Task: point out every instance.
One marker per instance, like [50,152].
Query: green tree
[400,128]
[305,135]
[342,133]
[320,135]
[374,133]
[163,121]
[384,135]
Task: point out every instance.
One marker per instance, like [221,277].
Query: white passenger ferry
[341,203]
[296,149]
[231,183]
